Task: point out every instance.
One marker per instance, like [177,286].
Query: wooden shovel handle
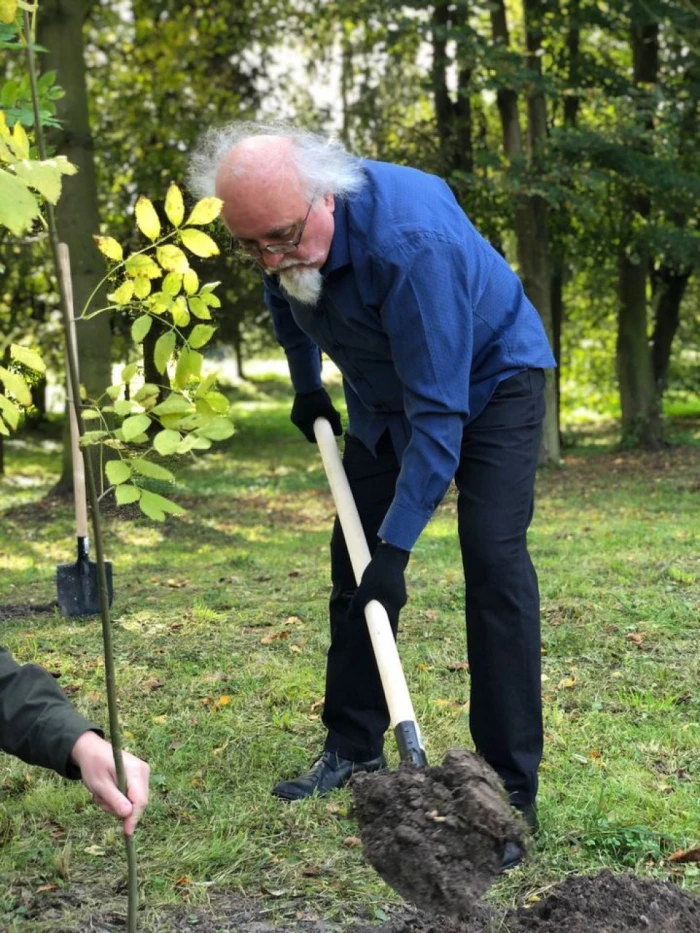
[396,692]
[79,494]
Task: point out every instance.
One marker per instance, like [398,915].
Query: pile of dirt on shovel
[436,835]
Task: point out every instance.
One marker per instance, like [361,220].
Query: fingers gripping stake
[398,700]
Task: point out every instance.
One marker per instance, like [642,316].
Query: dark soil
[436,835]
[604,903]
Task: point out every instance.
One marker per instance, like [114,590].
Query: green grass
[220,635]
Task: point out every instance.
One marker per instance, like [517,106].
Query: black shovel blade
[78,588]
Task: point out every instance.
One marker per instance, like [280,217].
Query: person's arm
[37,722]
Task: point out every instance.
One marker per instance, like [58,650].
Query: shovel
[398,700]
[77,584]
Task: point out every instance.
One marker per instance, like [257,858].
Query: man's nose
[271,260]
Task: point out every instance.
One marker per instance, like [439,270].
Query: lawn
[220,637]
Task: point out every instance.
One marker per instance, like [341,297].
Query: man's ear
[329,201]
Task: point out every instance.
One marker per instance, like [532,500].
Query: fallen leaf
[293,620]
[691,855]
[295,648]
[317,704]
[636,638]
[177,584]
[95,850]
[153,684]
[351,842]
[458,666]
[183,880]
[567,683]
[160,719]
[224,701]
[46,887]
[274,636]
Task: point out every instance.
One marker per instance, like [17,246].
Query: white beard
[303,284]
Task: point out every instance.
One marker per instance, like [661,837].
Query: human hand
[383,580]
[308,406]
[95,758]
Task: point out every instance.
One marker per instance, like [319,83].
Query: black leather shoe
[327,774]
[513,854]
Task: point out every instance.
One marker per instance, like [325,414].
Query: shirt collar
[339,253]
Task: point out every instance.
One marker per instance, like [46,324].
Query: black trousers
[495,484]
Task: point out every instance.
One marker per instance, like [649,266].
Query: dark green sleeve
[37,722]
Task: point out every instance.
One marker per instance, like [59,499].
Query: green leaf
[15,385]
[163,350]
[129,372]
[142,287]
[18,206]
[124,407]
[93,437]
[218,429]
[140,264]
[218,402]
[174,404]
[151,470]
[118,471]
[45,177]
[167,442]
[192,442]
[123,294]
[201,335]
[27,357]
[147,219]
[190,281]
[141,327]
[127,493]
[172,284]
[147,395]
[199,243]
[180,313]
[156,506]
[135,425]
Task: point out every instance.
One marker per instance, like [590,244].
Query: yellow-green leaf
[152,470]
[199,309]
[18,206]
[163,350]
[44,177]
[15,385]
[204,212]
[158,504]
[160,303]
[218,429]
[201,335]
[8,11]
[142,287]
[109,247]
[123,294]
[118,471]
[190,282]
[192,442]
[147,220]
[189,365]
[174,404]
[199,243]
[135,425]
[129,371]
[20,141]
[27,357]
[11,412]
[123,407]
[218,402]
[172,283]
[174,205]
[126,494]
[140,264]
[180,313]
[172,259]
[166,442]
[141,327]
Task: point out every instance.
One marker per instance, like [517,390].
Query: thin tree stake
[110,677]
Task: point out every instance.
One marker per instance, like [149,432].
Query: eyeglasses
[251,249]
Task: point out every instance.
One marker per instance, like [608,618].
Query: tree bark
[671,286]
[641,421]
[61,32]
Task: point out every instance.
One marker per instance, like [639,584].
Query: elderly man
[39,725]
[441,355]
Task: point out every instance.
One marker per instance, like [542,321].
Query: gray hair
[324,166]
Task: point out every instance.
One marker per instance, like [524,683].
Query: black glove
[308,406]
[383,580]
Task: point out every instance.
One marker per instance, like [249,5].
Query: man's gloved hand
[384,581]
[308,406]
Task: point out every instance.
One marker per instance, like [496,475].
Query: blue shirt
[423,318]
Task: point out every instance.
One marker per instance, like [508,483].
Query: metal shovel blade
[78,586]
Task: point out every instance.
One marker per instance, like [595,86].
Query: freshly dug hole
[436,835]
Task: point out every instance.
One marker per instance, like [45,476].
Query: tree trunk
[453,118]
[530,212]
[671,286]
[641,421]
[61,32]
